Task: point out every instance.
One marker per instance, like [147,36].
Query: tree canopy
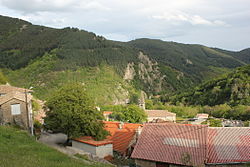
[130,113]
[72,112]
[3,79]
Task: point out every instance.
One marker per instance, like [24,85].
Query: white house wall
[100,151]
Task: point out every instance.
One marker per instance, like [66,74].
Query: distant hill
[113,72]
[196,62]
[233,89]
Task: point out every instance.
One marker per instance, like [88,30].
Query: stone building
[15,106]
[160,115]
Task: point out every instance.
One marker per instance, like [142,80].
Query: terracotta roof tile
[193,144]
[172,143]
[121,137]
[226,145]
[107,112]
[91,141]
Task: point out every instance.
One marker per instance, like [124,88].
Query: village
[160,141]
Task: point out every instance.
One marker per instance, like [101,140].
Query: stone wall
[7,117]
[230,165]
[144,163]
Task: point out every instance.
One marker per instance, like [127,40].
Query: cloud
[215,22]
[176,17]
[35,6]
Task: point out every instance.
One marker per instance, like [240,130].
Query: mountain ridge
[31,53]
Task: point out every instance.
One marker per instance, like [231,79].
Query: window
[15,109]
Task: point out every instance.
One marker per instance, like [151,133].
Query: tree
[3,79]
[72,112]
[130,113]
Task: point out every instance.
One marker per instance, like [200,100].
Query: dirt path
[58,139]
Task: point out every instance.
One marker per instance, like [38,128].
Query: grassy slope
[19,149]
[102,82]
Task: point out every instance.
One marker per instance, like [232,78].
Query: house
[164,115]
[123,135]
[169,144]
[15,106]
[107,114]
[122,138]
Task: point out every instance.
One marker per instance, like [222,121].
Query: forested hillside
[113,72]
[193,62]
[233,89]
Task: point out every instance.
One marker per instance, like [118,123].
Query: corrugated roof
[193,144]
[121,137]
[15,95]
[159,113]
[172,143]
[226,145]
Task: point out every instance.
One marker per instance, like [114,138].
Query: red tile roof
[91,141]
[107,112]
[172,143]
[226,145]
[121,137]
[178,143]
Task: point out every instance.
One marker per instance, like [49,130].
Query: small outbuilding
[122,139]
[101,149]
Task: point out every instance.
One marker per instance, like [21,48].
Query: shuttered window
[15,109]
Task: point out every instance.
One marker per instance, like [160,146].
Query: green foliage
[102,83]
[149,104]
[184,111]
[215,122]
[239,112]
[37,125]
[72,112]
[19,149]
[232,88]
[35,105]
[186,65]
[129,113]
[3,79]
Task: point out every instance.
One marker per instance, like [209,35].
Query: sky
[215,23]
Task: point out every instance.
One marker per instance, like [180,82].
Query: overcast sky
[215,23]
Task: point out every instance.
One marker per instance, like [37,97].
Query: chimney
[138,132]
[121,124]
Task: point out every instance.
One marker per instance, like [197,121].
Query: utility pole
[29,115]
